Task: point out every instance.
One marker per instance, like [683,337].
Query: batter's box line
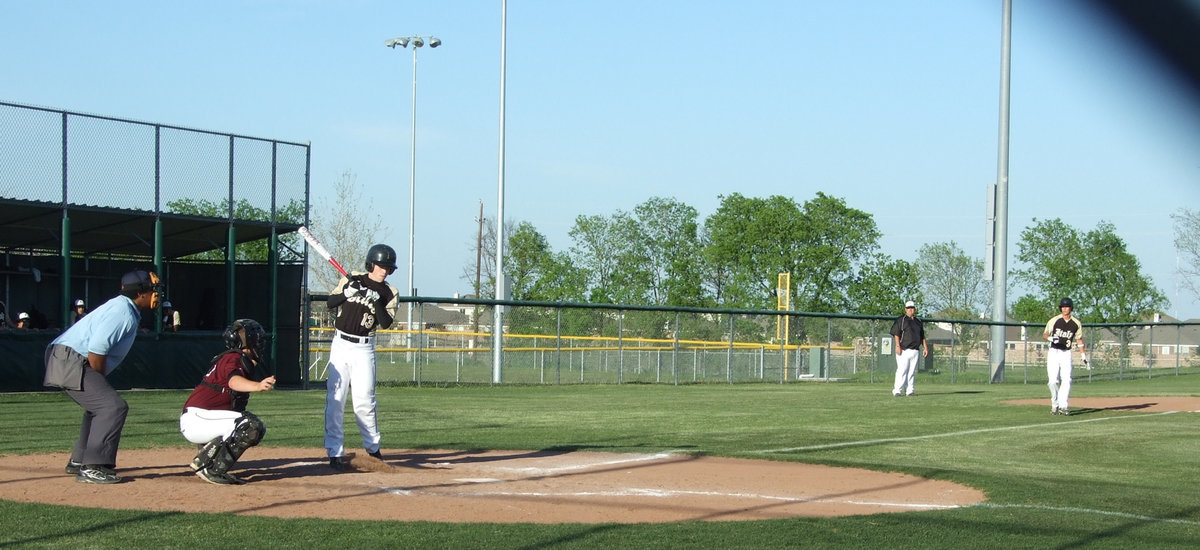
[586,465]
[660,493]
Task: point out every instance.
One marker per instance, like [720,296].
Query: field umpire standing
[363,302]
[1062,331]
[78,361]
[908,334]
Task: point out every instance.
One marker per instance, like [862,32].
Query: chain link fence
[57,156]
[451,343]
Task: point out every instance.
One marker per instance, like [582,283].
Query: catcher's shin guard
[206,454]
[247,433]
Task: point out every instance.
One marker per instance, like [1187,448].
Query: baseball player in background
[1063,331]
[215,416]
[908,335]
[363,302]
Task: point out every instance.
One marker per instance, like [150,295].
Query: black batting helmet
[246,334]
[383,256]
[1066,302]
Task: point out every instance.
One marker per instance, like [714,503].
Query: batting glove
[353,288]
[372,295]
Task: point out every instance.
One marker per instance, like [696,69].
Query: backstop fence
[551,343]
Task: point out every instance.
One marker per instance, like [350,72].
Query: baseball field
[1120,472]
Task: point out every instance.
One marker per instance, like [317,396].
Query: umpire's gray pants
[104,414]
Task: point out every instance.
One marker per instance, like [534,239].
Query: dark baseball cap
[139,279]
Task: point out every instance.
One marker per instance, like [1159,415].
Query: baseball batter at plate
[363,302]
[215,415]
[1063,332]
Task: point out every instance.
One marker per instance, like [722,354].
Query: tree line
[661,253]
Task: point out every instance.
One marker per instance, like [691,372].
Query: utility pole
[478,269]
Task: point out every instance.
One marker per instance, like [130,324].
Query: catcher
[214,416]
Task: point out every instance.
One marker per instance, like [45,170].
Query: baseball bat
[316,245]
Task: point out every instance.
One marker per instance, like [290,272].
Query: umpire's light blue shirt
[108,330]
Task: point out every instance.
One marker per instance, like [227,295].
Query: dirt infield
[491,486]
[1084,405]
[511,486]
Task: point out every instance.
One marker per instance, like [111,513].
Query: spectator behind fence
[171,319]
[79,311]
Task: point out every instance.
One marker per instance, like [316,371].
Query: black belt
[355,339]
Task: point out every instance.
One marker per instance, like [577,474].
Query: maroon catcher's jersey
[213,392]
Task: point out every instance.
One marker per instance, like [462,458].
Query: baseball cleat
[1053,410]
[337,464]
[376,454]
[97,474]
[1064,411]
[218,478]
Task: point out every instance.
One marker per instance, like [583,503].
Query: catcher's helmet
[246,334]
[383,256]
[1066,302]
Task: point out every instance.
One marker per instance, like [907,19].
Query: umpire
[78,361]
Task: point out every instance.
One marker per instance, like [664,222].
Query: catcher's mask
[246,334]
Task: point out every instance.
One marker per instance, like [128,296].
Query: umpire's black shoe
[73,467]
[90,473]
[337,464]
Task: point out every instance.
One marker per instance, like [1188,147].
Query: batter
[363,303]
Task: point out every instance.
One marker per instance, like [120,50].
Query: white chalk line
[666,494]
[586,465]
[1124,515]
[866,442]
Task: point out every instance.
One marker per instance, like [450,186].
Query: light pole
[416,42]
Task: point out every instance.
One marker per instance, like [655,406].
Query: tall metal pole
[412,196]
[1000,250]
[416,42]
[497,310]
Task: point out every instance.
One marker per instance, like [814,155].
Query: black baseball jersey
[910,330]
[1063,332]
[359,315]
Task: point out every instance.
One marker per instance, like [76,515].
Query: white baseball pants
[201,425]
[351,370]
[906,371]
[1058,366]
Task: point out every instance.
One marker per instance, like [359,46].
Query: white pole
[1000,250]
[498,312]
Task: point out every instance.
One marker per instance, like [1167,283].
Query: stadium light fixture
[416,42]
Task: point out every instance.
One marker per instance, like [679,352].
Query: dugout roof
[100,230]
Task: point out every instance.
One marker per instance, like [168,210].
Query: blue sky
[892,106]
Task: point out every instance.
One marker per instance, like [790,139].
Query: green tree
[954,285]
[666,236]
[256,251]
[611,254]
[1094,268]
[750,242]
[883,284]
[835,239]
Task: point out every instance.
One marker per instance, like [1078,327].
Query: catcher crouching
[214,416]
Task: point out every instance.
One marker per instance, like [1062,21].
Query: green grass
[1101,479]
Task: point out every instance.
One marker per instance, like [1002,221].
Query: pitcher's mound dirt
[487,486]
